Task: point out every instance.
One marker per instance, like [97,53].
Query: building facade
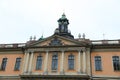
[61,57]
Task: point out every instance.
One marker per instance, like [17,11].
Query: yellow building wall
[65,64]
[59,62]
[107,64]
[34,62]
[75,61]
[11,60]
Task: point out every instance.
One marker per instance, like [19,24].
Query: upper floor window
[4,62]
[17,64]
[39,63]
[54,62]
[116,63]
[71,61]
[98,63]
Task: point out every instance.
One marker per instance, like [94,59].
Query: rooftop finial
[63,16]
[34,37]
[41,38]
[84,35]
[79,35]
[30,38]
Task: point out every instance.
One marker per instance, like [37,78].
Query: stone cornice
[105,46]
[55,76]
[11,49]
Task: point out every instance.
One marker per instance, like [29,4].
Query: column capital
[47,51]
[31,51]
[26,51]
[62,51]
[81,49]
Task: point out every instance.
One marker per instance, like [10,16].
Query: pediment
[56,40]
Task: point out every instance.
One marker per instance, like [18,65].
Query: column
[30,63]
[46,63]
[26,63]
[79,62]
[62,63]
[84,62]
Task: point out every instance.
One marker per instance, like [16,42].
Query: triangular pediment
[56,40]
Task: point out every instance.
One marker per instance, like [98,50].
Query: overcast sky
[20,19]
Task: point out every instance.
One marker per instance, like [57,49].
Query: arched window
[54,62]
[71,62]
[39,63]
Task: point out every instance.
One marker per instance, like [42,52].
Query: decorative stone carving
[55,42]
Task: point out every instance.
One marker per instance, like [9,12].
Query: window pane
[71,62]
[98,65]
[17,64]
[4,62]
[116,64]
[39,63]
[54,62]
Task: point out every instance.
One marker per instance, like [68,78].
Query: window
[98,65]
[116,63]
[39,63]
[55,42]
[54,62]
[71,61]
[17,64]
[4,62]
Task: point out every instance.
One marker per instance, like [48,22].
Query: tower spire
[63,16]
[62,29]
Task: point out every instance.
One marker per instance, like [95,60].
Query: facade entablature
[42,49]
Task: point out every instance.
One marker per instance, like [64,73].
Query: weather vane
[103,36]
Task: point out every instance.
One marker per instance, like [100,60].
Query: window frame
[71,62]
[39,60]
[17,64]
[54,62]
[118,62]
[98,63]
[4,63]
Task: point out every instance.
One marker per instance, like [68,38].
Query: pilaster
[62,63]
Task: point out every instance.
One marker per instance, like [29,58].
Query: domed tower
[62,29]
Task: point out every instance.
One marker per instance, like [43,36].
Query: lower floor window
[39,63]
[17,64]
[116,63]
[4,62]
[98,63]
[54,62]
[71,62]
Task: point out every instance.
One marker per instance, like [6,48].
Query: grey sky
[20,19]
